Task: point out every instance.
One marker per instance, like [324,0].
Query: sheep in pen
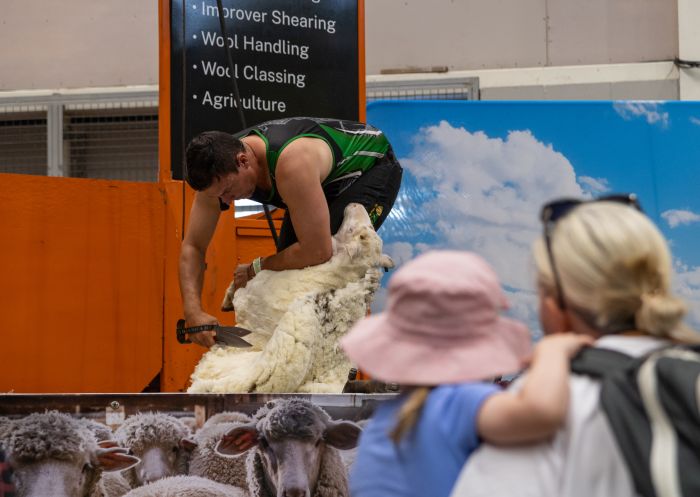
[298,316]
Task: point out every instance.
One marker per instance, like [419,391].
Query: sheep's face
[292,444]
[55,478]
[292,466]
[53,454]
[158,461]
[160,441]
[72,476]
[356,236]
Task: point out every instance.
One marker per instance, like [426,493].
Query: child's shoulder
[461,393]
[467,388]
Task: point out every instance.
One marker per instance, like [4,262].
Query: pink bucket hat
[442,325]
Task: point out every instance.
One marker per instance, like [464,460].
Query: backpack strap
[623,407]
[669,387]
[596,362]
[652,404]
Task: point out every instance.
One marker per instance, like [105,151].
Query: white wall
[486,34]
[95,43]
[78,43]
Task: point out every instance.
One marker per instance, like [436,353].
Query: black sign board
[291,58]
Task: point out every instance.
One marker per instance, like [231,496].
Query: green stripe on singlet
[360,149]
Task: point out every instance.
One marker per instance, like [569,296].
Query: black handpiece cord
[239,107]
[183,104]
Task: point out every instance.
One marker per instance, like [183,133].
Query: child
[443,339]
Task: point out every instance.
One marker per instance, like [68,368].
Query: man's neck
[256,146]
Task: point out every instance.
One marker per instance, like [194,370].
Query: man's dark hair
[210,155]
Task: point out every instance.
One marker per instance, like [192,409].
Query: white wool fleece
[280,366]
[298,317]
[187,486]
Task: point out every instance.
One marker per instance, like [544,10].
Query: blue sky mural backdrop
[477,173]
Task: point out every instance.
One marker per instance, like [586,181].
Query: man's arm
[299,183]
[300,170]
[203,219]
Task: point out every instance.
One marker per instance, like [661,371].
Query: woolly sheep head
[54,454]
[102,432]
[356,237]
[291,436]
[161,442]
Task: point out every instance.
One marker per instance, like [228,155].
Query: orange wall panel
[82,284]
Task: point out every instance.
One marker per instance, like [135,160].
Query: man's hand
[244,273]
[203,338]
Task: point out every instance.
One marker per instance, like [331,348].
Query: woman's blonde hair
[615,267]
[409,413]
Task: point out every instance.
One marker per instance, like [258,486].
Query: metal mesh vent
[453,89]
[119,145]
[23,145]
[420,94]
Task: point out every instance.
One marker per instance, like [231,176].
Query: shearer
[312,167]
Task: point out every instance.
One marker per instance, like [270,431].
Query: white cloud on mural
[695,120]
[488,195]
[676,217]
[594,185]
[687,285]
[646,110]
[488,192]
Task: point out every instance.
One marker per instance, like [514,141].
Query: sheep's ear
[108,444]
[237,440]
[115,459]
[342,434]
[188,444]
[386,261]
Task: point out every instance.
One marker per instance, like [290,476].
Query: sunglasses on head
[555,210]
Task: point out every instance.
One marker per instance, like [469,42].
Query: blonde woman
[443,338]
[604,271]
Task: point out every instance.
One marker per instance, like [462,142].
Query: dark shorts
[376,189]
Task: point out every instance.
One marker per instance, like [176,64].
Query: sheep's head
[53,454]
[102,432]
[291,438]
[356,237]
[162,442]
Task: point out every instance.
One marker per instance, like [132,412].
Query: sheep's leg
[386,262]
[370,283]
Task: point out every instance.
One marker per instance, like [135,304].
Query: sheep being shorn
[299,316]
[292,448]
[187,486]
[56,455]
[161,442]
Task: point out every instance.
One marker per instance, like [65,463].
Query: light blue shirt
[428,460]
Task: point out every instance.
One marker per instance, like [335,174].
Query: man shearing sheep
[312,167]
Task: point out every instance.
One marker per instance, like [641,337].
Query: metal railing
[109,134]
[113,133]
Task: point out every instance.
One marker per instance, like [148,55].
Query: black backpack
[653,406]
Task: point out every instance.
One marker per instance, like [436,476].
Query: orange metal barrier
[82,284]
[90,295]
